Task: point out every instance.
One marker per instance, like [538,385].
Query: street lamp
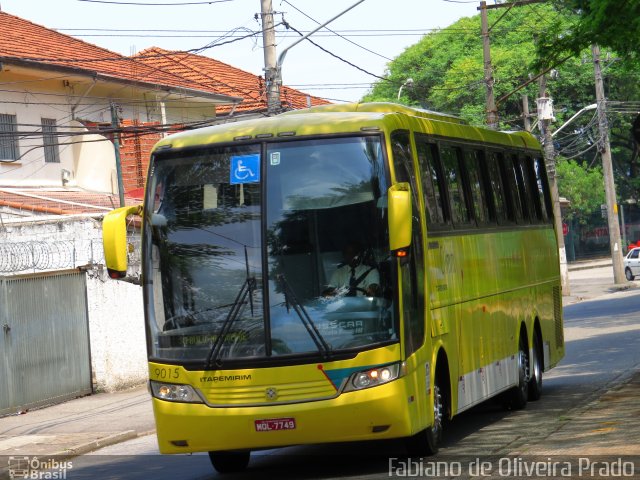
[278,66]
[407,83]
[588,107]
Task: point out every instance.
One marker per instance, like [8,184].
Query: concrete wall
[116,330]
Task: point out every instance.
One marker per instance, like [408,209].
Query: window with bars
[9,137]
[50,140]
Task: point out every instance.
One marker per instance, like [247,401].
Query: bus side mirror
[114,239]
[399,197]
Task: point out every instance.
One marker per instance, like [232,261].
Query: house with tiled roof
[62,101]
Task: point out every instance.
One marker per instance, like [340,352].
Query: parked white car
[632,264]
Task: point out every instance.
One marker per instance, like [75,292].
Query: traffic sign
[565,229]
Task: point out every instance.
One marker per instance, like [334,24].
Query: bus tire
[427,441]
[518,395]
[230,461]
[536,367]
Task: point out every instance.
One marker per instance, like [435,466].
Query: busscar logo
[225,378]
[38,469]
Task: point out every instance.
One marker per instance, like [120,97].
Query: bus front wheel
[427,442]
[517,397]
[230,461]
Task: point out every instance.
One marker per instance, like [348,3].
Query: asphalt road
[601,350]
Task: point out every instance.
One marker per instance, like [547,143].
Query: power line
[122,58]
[172,4]
[337,56]
[335,33]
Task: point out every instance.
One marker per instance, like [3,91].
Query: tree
[447,71]
[582,186]
[610,23]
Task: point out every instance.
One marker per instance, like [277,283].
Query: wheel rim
[523,368]
[437,410]
[537,371]
[627,273]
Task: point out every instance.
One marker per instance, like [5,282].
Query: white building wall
[94,163]
[30,169]
[116,330]
[89,159]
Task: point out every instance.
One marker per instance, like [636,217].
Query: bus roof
[382,107]
[347,118]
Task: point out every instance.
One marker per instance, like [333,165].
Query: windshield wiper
[247,289]
[291,299]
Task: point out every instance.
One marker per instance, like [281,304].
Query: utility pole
[525,113]
[607,169]
[115,124]
[271,76]
[492,112]
[550,163]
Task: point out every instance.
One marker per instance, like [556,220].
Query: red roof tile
[222,78]
[26,41]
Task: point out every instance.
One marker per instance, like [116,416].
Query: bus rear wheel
[230,461]
[535,382]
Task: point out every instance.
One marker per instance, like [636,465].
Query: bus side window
[521,187]
[432,186]
[500,205]
[512,195]
[529,182]
[459,206]
[543,189]
[476,185]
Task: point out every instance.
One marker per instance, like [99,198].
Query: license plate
[274,424]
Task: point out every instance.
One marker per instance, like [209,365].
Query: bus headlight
[373,377]
[173,392]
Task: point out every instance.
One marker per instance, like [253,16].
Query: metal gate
[44,339]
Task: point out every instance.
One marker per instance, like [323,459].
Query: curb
[96,444]
[588,267]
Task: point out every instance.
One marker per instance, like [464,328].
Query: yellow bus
[342,273]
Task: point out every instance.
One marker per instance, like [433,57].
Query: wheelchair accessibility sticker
[245,169]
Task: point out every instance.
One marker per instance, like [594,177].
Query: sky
[382,29]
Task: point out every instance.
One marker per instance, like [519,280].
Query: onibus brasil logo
[38,469]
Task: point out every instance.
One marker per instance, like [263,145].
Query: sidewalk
[76,427]
[89,423]
[592,279]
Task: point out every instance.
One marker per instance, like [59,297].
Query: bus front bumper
[380,412]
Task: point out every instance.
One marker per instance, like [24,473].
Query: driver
[352,275]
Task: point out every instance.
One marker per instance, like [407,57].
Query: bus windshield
[269,250]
